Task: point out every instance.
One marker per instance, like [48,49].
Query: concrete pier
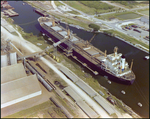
[41,12]
[10,12]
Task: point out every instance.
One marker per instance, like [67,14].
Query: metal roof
[19,90]
[74,39]
[69,74]
[90,112]
[56,28]
[13,58]
[92,51]
[73,93]
[63,33]
[48,23]
[12,72]
[105,104]
[101,58]
[86,88]
[4,61]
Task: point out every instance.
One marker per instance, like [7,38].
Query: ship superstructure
[114,65]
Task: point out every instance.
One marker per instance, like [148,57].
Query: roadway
[114,25]
[33,48]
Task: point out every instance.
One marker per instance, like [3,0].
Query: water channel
[137,92]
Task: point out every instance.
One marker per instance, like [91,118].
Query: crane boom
[92,38]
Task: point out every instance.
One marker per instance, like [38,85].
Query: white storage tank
[4,61]
[13,58]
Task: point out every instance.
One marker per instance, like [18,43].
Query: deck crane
[87,42]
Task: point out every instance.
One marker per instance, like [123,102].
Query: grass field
[74,12]
[120,16]
[57,3]
[38,109]
[131,4]
[129,16]
[85,6]
[81,7]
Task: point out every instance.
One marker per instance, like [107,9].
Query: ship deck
[85,49]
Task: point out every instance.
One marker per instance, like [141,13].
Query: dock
[4,4]
[41,12]
[10,13]
[8,7]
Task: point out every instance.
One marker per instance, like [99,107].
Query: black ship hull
[89,63]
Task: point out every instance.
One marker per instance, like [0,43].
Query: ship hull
[89,64]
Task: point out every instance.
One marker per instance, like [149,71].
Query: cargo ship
[114,65]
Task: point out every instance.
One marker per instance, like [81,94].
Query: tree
[94,26]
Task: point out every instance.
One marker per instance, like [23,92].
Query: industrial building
[19,90]
[106,106]
[81,103]
[12,72]
[16,86]
[8,59]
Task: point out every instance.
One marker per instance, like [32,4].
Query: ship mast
[68,32]
[131,65]
[115,51]
[53,22]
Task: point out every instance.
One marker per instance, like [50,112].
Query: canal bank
[138,92]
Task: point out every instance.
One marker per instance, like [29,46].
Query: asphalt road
[134,34]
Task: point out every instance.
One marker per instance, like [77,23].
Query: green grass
[120,16]
[34,39]
[128,16]
[57,3]
[91,7]
[74,12]
[31,111]
[131,4]
[77,5]
[97,5]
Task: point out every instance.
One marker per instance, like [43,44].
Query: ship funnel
[53,22]
[105,53]
[131,65]
[115,51]
[123,62]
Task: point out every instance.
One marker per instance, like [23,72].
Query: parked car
[137,30]
[128,27]
[146,38]
[135,26]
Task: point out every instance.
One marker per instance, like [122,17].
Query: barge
[114,65]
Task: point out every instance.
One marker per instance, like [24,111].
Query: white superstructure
[115,63]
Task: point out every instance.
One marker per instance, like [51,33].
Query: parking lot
[139,35]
